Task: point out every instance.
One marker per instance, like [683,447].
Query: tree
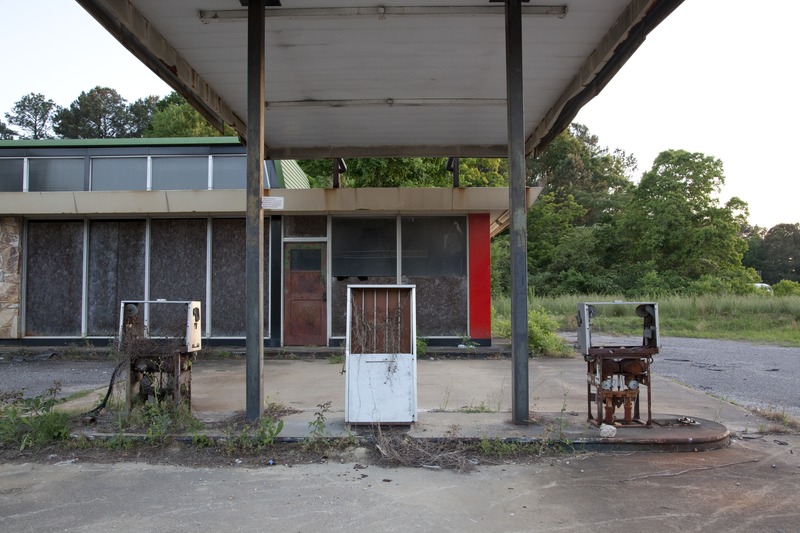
[99,114]
[34,114]
[141,114]
[383,172]
[6,133]
[781,253]
[754,256]
[574,164]
[174,117]
[675,219]
[409,172]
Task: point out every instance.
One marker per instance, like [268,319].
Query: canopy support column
[254,232]
[517,214]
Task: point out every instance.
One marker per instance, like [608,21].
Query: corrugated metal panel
[293,175]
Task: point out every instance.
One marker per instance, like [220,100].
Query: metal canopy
[364,79]
[359,79]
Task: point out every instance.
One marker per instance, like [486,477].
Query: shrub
[542,339]
[32,422]
[786,287]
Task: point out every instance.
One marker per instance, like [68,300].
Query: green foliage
[497,448]
[408,172]
[32,422]
[203,441]
[99,114]
[748,317]
[731,282]
[175,117]
[676,221]
[542,339]
[486,172]
[786,288]
[317,426]
[500,250]
[6,133]
[781,253]
[161,420]
[255,439]
[33,113]
[422,346]
[141,114]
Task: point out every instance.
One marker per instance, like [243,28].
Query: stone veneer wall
[10,276]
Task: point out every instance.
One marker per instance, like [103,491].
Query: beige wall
[10,276]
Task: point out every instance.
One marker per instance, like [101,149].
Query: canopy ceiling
[360,79]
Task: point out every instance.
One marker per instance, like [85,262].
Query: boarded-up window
[116,271]
[54,284]
[177,270]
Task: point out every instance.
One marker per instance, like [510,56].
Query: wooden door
[305,295]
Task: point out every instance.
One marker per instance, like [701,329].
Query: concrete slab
[471,399]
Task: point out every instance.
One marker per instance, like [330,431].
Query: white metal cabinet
[381,355]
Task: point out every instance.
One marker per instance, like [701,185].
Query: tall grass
[755,318]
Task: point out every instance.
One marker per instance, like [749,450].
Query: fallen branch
[673,474]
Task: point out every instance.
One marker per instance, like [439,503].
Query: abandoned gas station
[305,79]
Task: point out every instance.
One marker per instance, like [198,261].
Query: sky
[716,77]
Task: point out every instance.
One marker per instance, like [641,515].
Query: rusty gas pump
[616,375]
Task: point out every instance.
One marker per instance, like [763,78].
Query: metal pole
[254,252]
[518,223]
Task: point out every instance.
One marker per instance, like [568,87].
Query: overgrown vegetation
[32,422]
[755,318]
[542,338]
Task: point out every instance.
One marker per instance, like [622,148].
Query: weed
[119,441]
[203,441]
[472,408]
[497,448]
[336,359]
[255,439]
[317,426]
[32,422]
[446,399]
[783,421]
[422,346]
[160,420]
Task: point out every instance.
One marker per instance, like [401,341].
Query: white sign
[272,202]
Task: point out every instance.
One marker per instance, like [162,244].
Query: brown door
[304,300]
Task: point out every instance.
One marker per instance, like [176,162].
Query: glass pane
[364,247]
[55,175]
[230,172]
[119,174]
[11,175]
[180,173]
[434,246]
[306,260]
